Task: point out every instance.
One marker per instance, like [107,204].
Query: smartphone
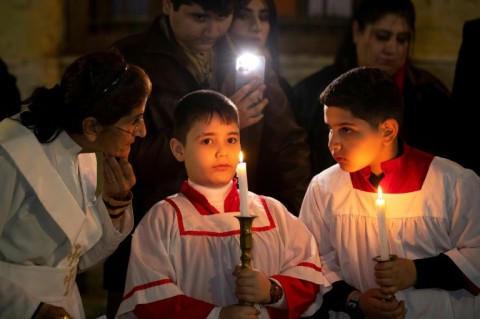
[249,66]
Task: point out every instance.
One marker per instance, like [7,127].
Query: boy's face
[210,152]
[196,28]
[383,44]
[354,144]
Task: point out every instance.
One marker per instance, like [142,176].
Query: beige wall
[32,33]
[439,33]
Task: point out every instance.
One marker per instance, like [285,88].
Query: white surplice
[432,207]
[185,249]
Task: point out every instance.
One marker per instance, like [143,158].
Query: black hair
[368,12]
[220,7]
[368,93]
[202,105]
[11,100]
[99,84]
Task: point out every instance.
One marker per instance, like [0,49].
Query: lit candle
[382,226]
[242,181]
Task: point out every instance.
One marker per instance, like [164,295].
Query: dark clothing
[465,95]
[468,65]
[275,149]
[309,114]
[11,100]
[426,117]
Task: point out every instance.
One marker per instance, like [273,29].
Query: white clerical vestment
[51,225]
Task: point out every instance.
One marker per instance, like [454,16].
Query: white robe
[440,217]
[181,252]
[51,224]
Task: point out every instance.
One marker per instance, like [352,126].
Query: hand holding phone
[249,66]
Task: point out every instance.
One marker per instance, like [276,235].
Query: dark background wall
[38,38]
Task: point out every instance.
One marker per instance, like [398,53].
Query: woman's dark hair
[99,84]
[368,12]
[201,105]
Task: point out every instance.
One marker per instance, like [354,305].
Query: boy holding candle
[186,250]
[431,204]
[179,53]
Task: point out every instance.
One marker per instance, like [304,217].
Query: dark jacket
[465,95]
[275,149]
[426,118]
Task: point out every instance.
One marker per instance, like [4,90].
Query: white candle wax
[243,184]
[382,227]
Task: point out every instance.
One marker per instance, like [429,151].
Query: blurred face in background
[383,44]
[197,29]
[250,25]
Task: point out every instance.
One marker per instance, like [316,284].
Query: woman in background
[381,35]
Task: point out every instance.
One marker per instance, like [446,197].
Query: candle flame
[240,156]
[379,192]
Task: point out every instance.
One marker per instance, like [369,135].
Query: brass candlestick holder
[246,244]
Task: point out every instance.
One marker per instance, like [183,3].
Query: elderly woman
[52,226]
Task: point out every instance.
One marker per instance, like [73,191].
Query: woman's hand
[249,102]
[118,177]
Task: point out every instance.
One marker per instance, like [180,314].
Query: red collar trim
[403,174]
[201,203]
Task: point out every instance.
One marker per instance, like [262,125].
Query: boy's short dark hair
[202,105]
[220,7]
[368,93]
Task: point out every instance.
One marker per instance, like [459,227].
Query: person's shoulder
[422,77]
[131,40]
[319,79]
[276,209]
[472,25]
[330,178]
[447,165]
[452,173]
[136,41]
[166,203]
[163,213]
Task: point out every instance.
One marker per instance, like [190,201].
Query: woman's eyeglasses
[136,129]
